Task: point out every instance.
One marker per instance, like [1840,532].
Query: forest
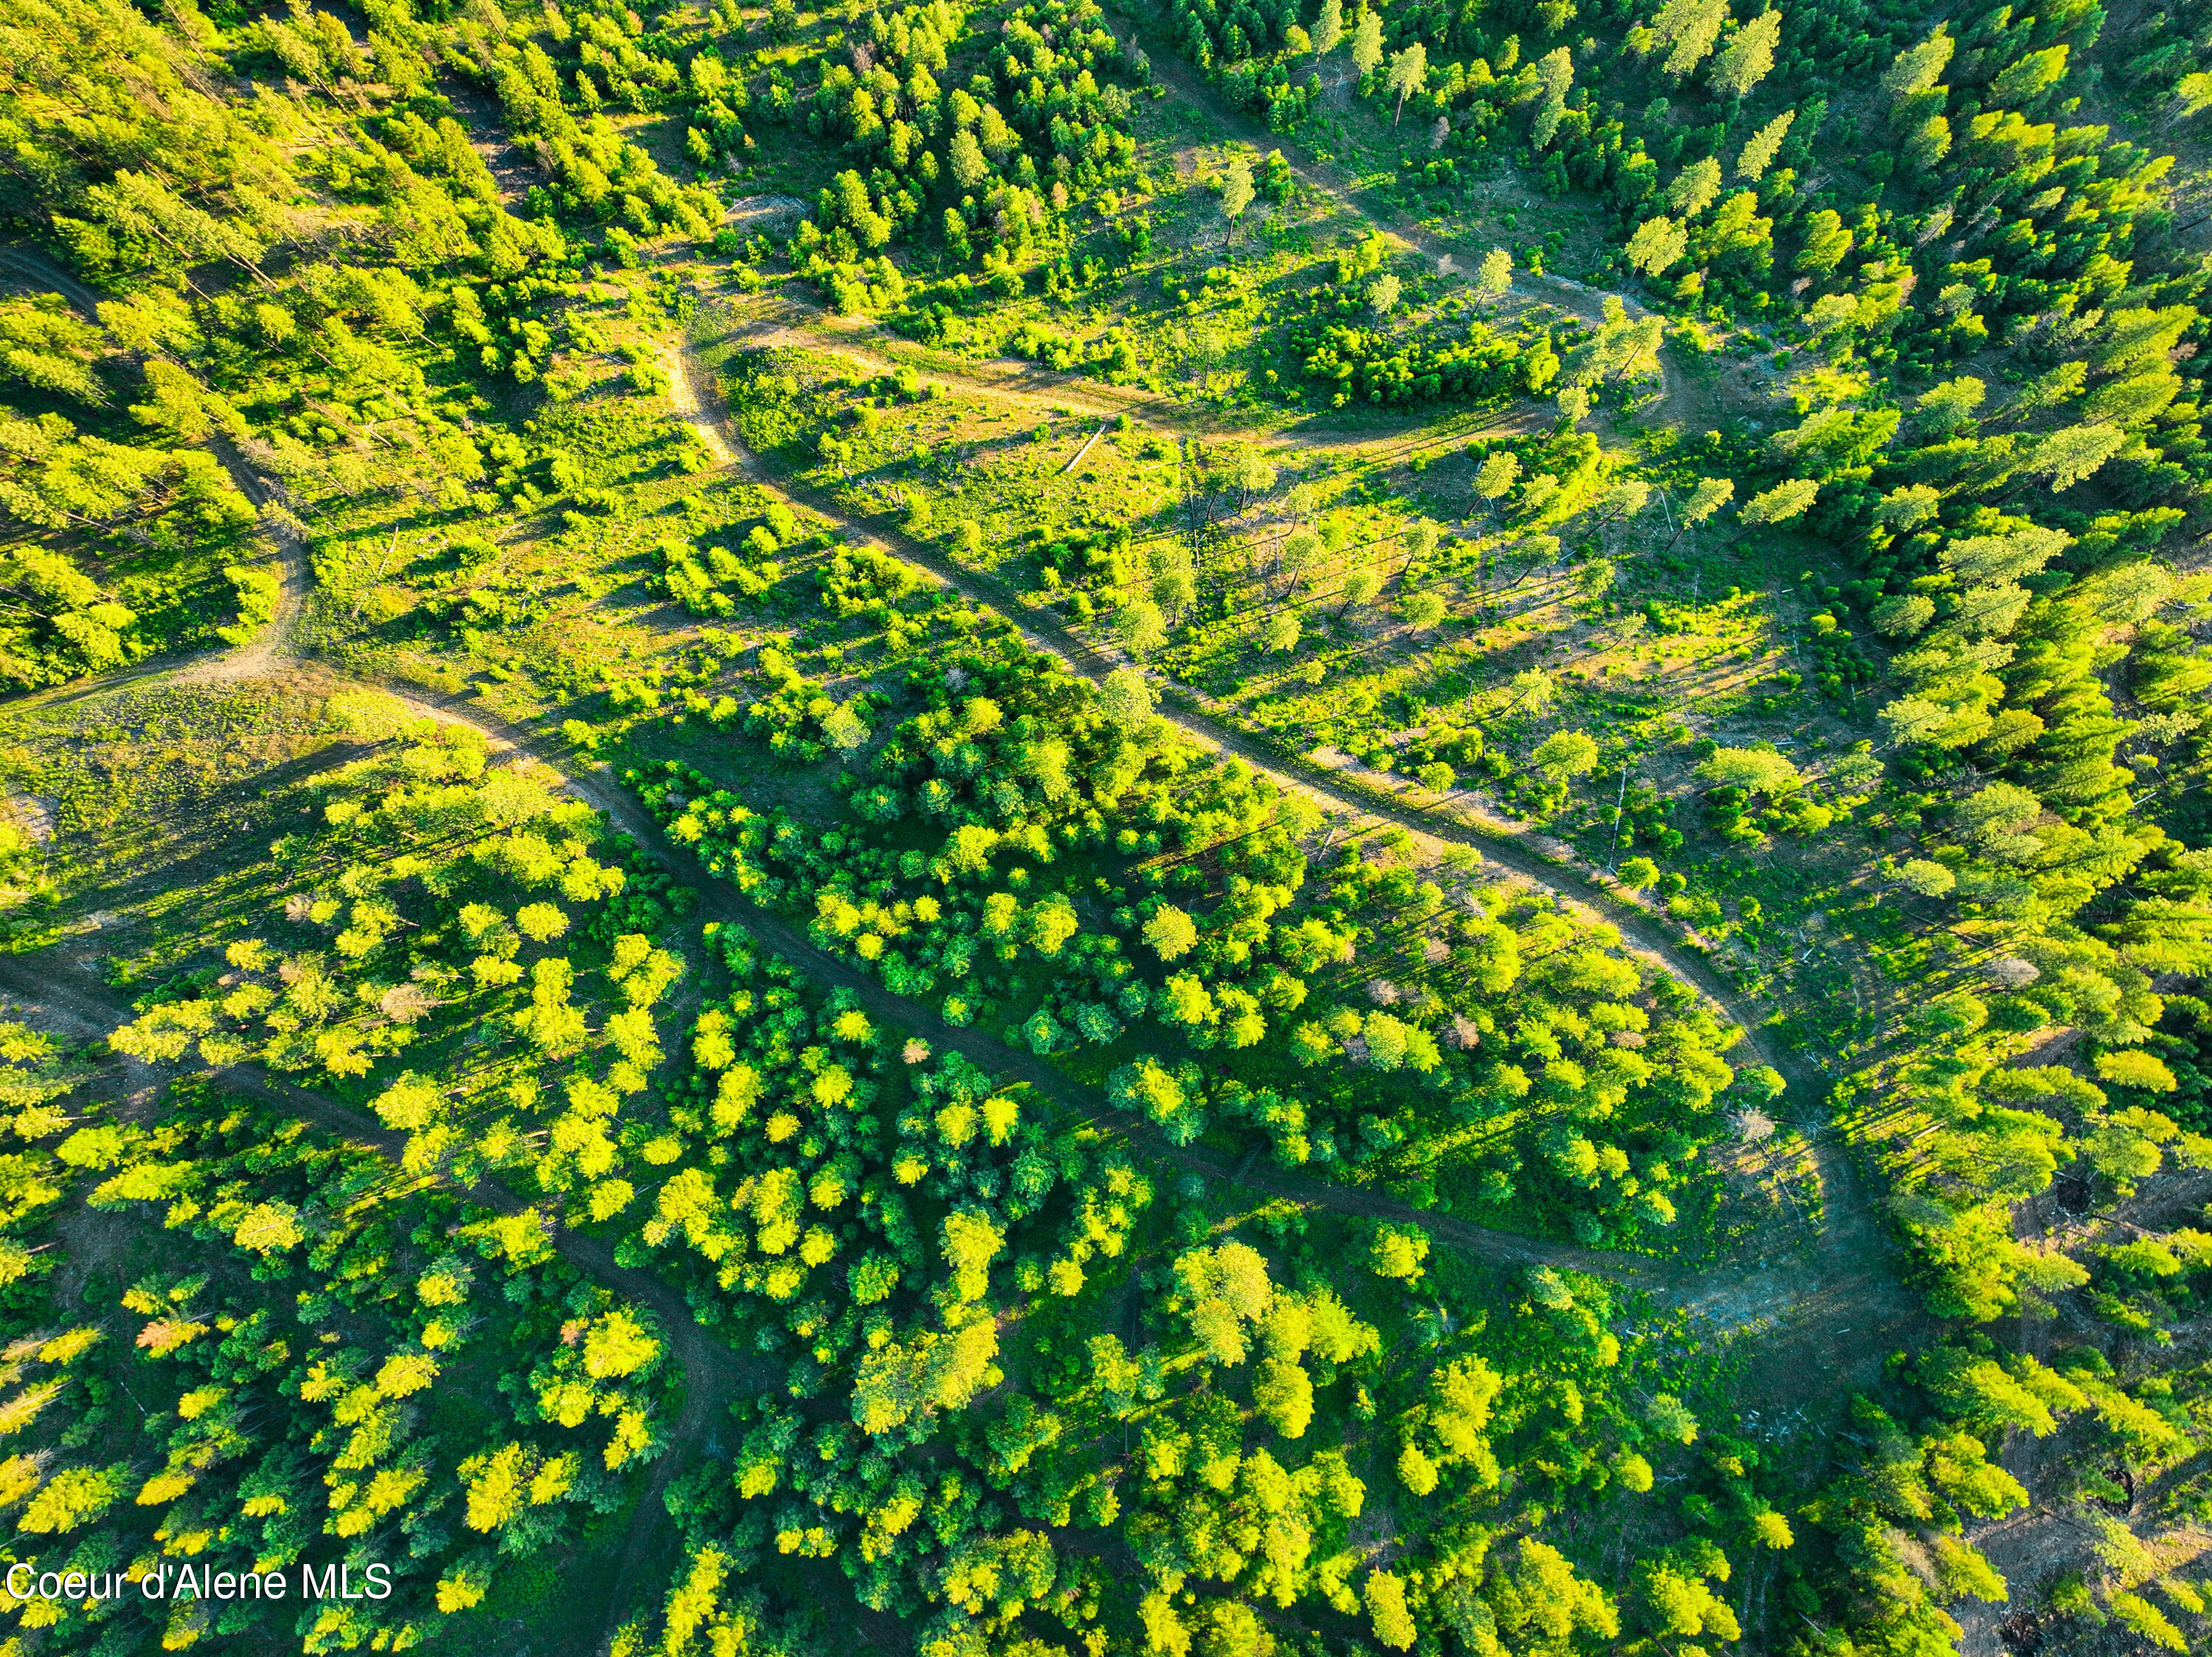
[1054,828]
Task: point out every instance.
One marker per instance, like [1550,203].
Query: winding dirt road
[1848,1275]
[1853,1273]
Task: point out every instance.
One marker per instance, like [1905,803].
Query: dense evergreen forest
[1210,828]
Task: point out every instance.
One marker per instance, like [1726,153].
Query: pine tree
[1366,43]
[1743,63]
[1657,245]
[1235,189]
[1695,188]
[1409,74]
[1494,278]
[1328,27]
[1759,150]
[1688,29]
